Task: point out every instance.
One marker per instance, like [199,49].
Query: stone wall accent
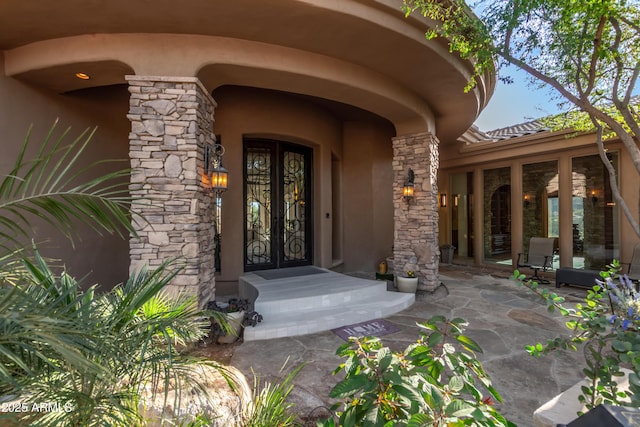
[416,225]
[171,123]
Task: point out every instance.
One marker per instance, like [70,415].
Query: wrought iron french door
[277,193]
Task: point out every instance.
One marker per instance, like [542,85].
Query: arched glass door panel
[278,229]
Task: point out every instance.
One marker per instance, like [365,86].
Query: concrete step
[318,319]
[314,294]
[305,300]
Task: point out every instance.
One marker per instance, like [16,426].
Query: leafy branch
[52,187]
[587,53]
[605,327]
[435,381]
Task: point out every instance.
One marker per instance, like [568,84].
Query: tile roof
[515,131]
[474,135]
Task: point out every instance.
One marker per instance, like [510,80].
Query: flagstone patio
[502,317]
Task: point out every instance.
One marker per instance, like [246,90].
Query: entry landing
[304,300]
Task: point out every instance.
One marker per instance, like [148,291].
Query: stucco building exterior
[322,107]
[506,186]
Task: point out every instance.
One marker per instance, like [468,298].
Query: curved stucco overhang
[216,61]
[361,53]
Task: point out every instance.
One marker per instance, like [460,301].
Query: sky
[515,103]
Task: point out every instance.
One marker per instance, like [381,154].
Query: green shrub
[95,355]
[435,381]
[605,325]
[85,358]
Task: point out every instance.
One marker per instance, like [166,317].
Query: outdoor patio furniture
[539,257]
[577,277]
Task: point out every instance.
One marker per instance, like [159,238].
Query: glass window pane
[595,215]
[461,190]
[540,213]
[497,220]
[258,220]
[294,235]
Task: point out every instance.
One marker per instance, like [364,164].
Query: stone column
[416,225]
[171,124]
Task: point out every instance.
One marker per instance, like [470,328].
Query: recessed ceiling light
[83,76]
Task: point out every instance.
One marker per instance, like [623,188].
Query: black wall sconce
[527,200]
[594,197]
[408,187]
[443,200]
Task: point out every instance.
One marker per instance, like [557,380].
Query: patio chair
[633,269]
[540,257]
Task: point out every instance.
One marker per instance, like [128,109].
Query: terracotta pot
[407,284]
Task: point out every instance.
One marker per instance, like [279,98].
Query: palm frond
[51,187]
[11,267]
[270,406]
[101,354]
[38,330]
[58,343]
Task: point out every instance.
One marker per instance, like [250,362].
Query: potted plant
[446,253]
[407,283]
[237,314]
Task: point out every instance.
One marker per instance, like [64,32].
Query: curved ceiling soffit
[62,78]
[194,55]
[485,84]
[386,14]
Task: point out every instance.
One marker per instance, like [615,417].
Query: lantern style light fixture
[594,197]
[218,178]
[407,189]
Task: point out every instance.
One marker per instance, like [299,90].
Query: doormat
[285,273]
[374,328]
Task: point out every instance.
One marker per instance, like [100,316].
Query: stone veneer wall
[416,226]
[171,123]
